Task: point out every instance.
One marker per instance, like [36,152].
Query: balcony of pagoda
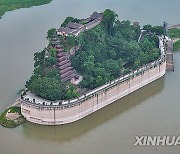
[60,59]
[65,70]
[67,74]
[60,50]
[58,47]
[68,78]
[63,62]
[64,66]
[59,54]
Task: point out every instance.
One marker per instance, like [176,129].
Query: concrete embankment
[62,114]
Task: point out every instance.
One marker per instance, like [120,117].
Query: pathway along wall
[94,100]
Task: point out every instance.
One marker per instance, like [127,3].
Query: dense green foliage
[106,52]
[158,30]
[109,19]
[174,33]
[50,32]
[68,42]
[11,123]
[45,87]
[111,49]
[8,5]
[15,109]
[45,81]
[176,46]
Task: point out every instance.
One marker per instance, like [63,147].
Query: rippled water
[152,110]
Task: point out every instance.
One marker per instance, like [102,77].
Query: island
[90,63]
[12,117]
[9,5]
[86,53]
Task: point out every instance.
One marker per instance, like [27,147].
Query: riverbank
[174,33]
[9,5]
[176,44]
[12,117]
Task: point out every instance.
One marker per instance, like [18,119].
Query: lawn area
[9,5]
[174,33]
[176,46]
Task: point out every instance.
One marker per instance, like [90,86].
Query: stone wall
[94,100]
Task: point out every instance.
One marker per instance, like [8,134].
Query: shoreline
[19,5]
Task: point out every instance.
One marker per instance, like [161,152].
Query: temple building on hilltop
[74,28]
[67,73]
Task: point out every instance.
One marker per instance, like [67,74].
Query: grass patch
[174,33]
[176,46]
[9,5]
[12,123]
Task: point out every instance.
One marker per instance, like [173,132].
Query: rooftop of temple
[75,28]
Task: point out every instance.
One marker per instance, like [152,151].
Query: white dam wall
[73,110]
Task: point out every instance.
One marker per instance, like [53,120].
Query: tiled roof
[67,74]
[65,66]
[65,70]
[74,25]
[68,78]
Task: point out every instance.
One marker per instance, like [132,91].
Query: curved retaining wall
[73,110]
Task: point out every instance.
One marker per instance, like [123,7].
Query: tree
[148,28]
[48,88]
[50,61]
[158,30]
[99,80]
[112,67]
[71,93]
[89,64]
[109,17]
[39,70]
[53,73]
[53,52]
[146,45]
[39,58]
[51,32]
